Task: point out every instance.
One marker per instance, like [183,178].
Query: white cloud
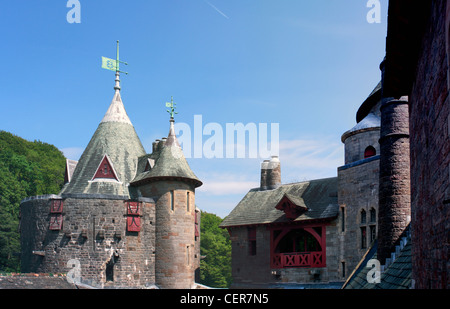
[306,159]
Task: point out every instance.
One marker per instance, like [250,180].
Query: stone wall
[356,144]
[255,270]
[430,160]
[177,252]
[94,236]
[357,191]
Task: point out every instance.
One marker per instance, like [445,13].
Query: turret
[171,183]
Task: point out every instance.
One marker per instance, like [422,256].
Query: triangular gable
[70,168]
[149,165]
[105,170]
[292,206]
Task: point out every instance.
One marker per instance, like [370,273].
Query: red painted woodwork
[105,170]
[291,210]
[56,221]
[301,258]
[298,259]
[133,224]
[56,206]
[133,216]
[369,152]
[134,208]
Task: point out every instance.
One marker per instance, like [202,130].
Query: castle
[311,233]
[389,202]
[124,218]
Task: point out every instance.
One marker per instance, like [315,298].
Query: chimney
[264,167]
[270,174]
[155,145]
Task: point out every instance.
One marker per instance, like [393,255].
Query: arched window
[369,152]
[363,216]
[373,215]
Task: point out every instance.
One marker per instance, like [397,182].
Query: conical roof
[114,145]
[169,163]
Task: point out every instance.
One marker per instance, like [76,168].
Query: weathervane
[172,107]
[114,65]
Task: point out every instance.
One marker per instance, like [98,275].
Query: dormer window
[105,170]
[292,206]
[369,152]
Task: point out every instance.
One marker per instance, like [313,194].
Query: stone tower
[124,218]
[167,178]
[358,184]
[395,193]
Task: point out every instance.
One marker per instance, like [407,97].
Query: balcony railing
[298,259]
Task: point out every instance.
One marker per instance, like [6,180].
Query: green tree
[215,245]
[26,169]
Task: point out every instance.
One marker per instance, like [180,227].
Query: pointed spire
[172,138]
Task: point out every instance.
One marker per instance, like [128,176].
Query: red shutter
[133,216]
[56,206]
[56,221]
[56,217]
[133,208]
[133,224]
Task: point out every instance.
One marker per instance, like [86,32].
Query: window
[363,216]
[105,171]
[373,215]
[251,240]
[187,200]
[373,233]
[172,202]
[363,238]
[343,269]
[342,219]
[369,152]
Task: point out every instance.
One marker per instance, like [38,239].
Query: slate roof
[368,104]
[397,275]
[116,138]
[371,121]
[258,207]
[35,281]
[169,162]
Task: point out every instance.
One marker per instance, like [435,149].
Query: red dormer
[292,206]
[105,170]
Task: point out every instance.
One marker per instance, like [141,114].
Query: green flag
[109,64]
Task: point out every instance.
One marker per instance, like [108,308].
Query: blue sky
[306,65]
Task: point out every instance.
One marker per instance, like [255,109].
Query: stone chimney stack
[264,167]
[270,174]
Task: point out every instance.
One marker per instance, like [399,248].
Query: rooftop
[319,197]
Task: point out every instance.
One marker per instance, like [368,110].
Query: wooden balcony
[298,259]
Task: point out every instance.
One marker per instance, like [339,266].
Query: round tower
[171,183]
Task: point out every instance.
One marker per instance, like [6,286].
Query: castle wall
[356,144]
[430,159]
[94,236]
[255,270]
[177,247]
[357,190]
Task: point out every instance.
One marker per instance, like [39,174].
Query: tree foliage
[215,246]
[26,169]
